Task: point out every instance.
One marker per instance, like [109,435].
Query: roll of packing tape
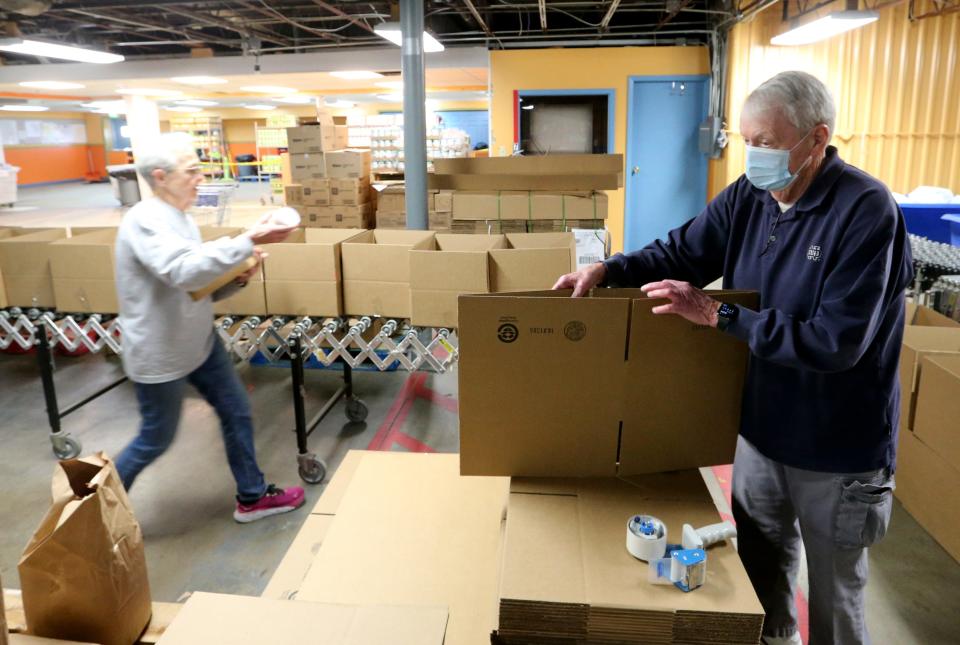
[646,537]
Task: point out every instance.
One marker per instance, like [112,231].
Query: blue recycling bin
[926,220]
[953,221]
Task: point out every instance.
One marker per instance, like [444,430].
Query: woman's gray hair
[803,98]
[164,153]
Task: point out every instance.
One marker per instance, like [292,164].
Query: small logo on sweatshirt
[813,253]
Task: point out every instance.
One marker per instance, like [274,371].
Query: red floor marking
[390,431]
[411,444]
[724,475]
[399,402]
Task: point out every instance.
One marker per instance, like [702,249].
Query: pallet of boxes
[534,194]
[928,455]
[329,183]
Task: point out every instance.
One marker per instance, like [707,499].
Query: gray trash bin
[123,178]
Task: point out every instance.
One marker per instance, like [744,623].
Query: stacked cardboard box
[391,208]
[529,194]
[928,460]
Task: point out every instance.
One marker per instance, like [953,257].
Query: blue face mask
[769,168]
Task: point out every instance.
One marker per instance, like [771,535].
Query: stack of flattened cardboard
[928,461]
[242,620]
[566,576]
[407,529]
[527,211]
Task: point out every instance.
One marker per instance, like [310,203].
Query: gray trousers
[837,516]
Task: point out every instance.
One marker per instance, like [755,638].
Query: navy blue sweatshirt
[822,391]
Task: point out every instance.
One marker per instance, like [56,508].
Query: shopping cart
[212,207]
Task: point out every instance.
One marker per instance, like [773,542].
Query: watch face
[726,310]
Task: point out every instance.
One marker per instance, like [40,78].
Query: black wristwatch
[726,314]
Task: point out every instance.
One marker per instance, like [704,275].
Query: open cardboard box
[531,261]
[25,266]
[82,267]
[920,341]
[926,486]
[460,265]
[922,316]
[937,420]
[376,271]
[302,274]
[250,300]
[553,386]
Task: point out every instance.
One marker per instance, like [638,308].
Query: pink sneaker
[274,501]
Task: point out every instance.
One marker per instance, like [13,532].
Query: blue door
[666,174]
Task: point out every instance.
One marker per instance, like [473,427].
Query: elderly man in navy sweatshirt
[825,246]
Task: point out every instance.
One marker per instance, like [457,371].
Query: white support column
[143,121]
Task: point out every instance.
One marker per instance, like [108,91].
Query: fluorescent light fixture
[148,91]
[356,75]
[294,99]
[198,102]
[51,85]
[391,31]
[54,50]
[391,98]
[831,25]
[199,80]
[257,106]
[111,107]
[526,107]
[23,108]
[339,103]
[182,108]
[268,89]
[391,85]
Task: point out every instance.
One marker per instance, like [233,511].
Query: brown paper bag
[83,574]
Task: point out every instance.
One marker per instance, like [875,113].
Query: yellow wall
[896,84]
[583,68]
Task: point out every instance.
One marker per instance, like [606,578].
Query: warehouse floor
[185,500]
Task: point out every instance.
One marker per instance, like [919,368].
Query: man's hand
[265,231]
[584,280]
[685,300]
[245,277]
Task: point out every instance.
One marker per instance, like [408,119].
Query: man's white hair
[802,98]
[164,153]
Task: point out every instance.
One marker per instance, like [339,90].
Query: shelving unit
[207,134]
[267,138]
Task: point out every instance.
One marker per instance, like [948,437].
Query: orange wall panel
[45,164]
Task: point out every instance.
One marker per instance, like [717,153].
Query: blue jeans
[160,404]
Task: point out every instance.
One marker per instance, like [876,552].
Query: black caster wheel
[356,410]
